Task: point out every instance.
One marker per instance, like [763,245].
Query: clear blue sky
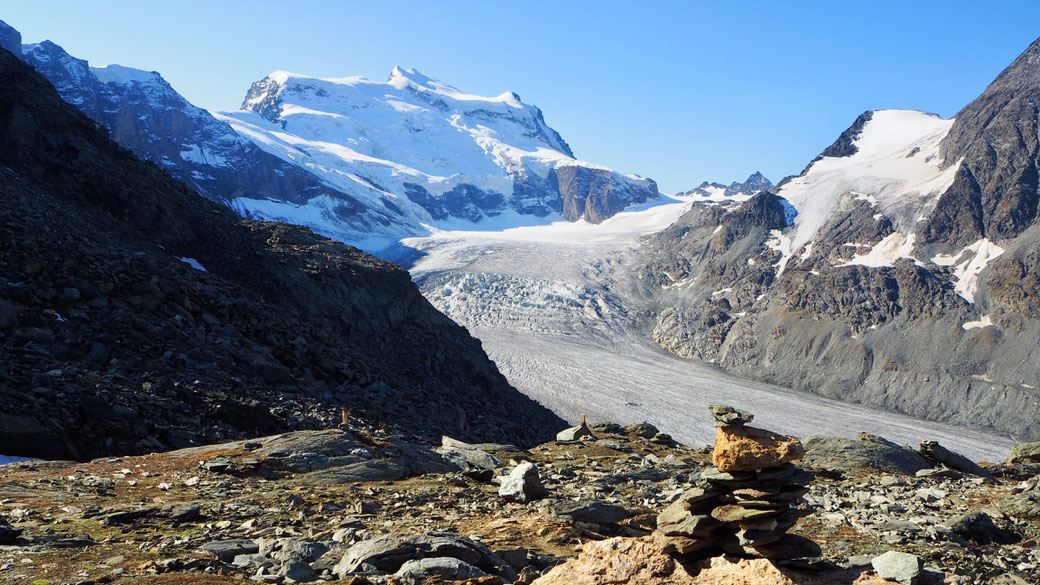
[678,91]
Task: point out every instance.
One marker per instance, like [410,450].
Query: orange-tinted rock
[748,448]
[617,561]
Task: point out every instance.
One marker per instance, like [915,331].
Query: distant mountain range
[361,161]
[909,277]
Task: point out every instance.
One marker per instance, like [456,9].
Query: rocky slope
[359,161]
[138,316]
[365,506]
[904,280]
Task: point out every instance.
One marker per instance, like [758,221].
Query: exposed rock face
[996,136]
[10,39]
[855,299]
[138,315]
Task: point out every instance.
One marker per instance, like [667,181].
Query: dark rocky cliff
[113,340]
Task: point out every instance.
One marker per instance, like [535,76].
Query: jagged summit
[735,191]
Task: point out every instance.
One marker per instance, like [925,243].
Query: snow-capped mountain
[439,156]
[359,161]
[145,114]
[907,279]
[734,192]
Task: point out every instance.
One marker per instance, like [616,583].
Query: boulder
[297,571]
[415,571]
[898,566]
[591,511]
[1024,453]
[523,484]
[227,550]
[390,552]
[743,448]
[362,471]
[979,528]
[869,451]
[937,454]
[576,433]
[468,455]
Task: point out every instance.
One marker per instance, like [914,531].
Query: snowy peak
[734,192]
[126,75]
[444,158]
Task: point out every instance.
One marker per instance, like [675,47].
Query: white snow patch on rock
[891,248]
[881,171]
[985,321]
[193,263]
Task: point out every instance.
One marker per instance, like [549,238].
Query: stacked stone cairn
[745,504]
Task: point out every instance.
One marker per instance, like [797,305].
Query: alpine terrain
[906,280]
[138,316]
[360,161]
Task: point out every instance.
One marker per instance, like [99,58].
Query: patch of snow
[985,321]
[5,459]
[721,292]
[202,155]
[891,248]
[781,243]
[123,75]
[879,171]
[193,263]
[968,263]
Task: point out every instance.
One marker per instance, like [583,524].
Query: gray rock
[868,451]
[467,455]
[898,566]
[615,445]
[938,454]
[362,471]
[591,511]
[523,484]
[979,528]
[219,464]
[727,416]
[388,553]
[298,571]
[253,561]
[447,567]
[292,549]
[1024,453]
[227,550]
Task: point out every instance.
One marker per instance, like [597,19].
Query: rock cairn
[745,504]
